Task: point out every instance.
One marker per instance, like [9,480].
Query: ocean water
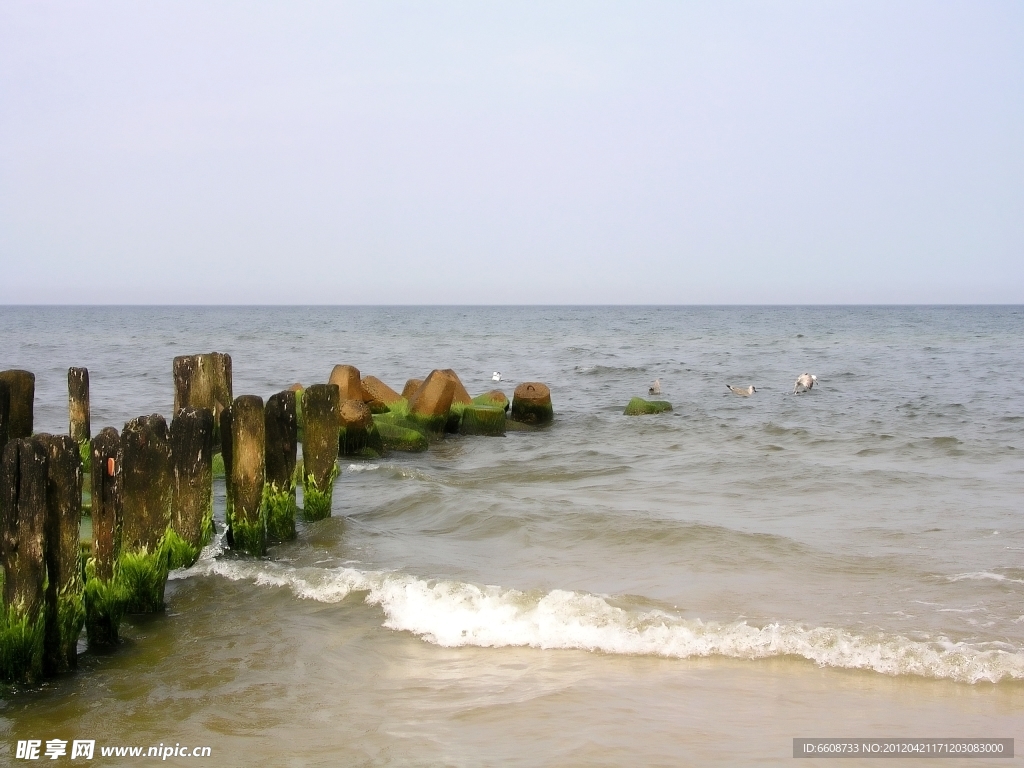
[691,588]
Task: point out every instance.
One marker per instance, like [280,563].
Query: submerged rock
[638,407]
[483,420]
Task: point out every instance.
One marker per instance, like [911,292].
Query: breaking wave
[452,614]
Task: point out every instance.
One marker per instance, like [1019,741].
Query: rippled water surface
[691,587]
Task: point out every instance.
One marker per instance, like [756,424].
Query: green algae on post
[104,597]
[146,493]
[320,406]
[23,486]
[281,442]
[191,527]
[639,407]
[247,525]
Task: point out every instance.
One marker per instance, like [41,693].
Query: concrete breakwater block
[531,403]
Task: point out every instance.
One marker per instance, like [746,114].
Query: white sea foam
[362,467]
[452,614]
[983,575]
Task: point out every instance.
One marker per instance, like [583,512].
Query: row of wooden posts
[150,488]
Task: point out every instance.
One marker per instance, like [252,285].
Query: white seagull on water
[496,376]
[804,382]
[655,388]
[742,391]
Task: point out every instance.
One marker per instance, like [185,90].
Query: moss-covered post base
[247,524]
[320,408]
[65,610]
[21,386]
[104,596]
[640,407]
[191,437]
[282,433]
[146,493]
[531,404]
[23,484]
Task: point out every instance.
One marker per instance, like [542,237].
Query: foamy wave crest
[320,584]
[983,576]
[453,614]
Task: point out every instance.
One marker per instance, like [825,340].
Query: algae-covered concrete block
[639,407]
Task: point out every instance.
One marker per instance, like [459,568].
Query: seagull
[804,382]
[742,391]
[496,376]
[655,388]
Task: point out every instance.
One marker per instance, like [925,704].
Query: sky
[511,152]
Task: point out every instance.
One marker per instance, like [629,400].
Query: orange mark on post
[110,466]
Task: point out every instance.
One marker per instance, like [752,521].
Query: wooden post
[226,454]
[146,498]
[22,386]
[282,432]
[5,413]
[78,405]
[65,609]
[104,596]
[247,523]
[191,437]
[320,408]
[23,508]
[204,381]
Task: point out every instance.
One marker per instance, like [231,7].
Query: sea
[696,587]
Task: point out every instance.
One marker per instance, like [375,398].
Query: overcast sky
[511,152]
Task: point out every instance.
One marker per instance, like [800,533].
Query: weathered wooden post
[320,449]
[204,381]
[78,406]
[104,594]
[191,437]
[65,609]
[5,413]
[146,498]
[22,387]
[282,432]
[247,523]
[23,509]
[531,404]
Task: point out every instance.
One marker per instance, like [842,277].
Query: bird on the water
[496,376]
[804,382]
[655,388]
[742,391]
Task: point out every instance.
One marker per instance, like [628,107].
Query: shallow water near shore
[685,588]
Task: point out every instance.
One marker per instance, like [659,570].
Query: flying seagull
[804,382]
[655,388]
[742,391]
